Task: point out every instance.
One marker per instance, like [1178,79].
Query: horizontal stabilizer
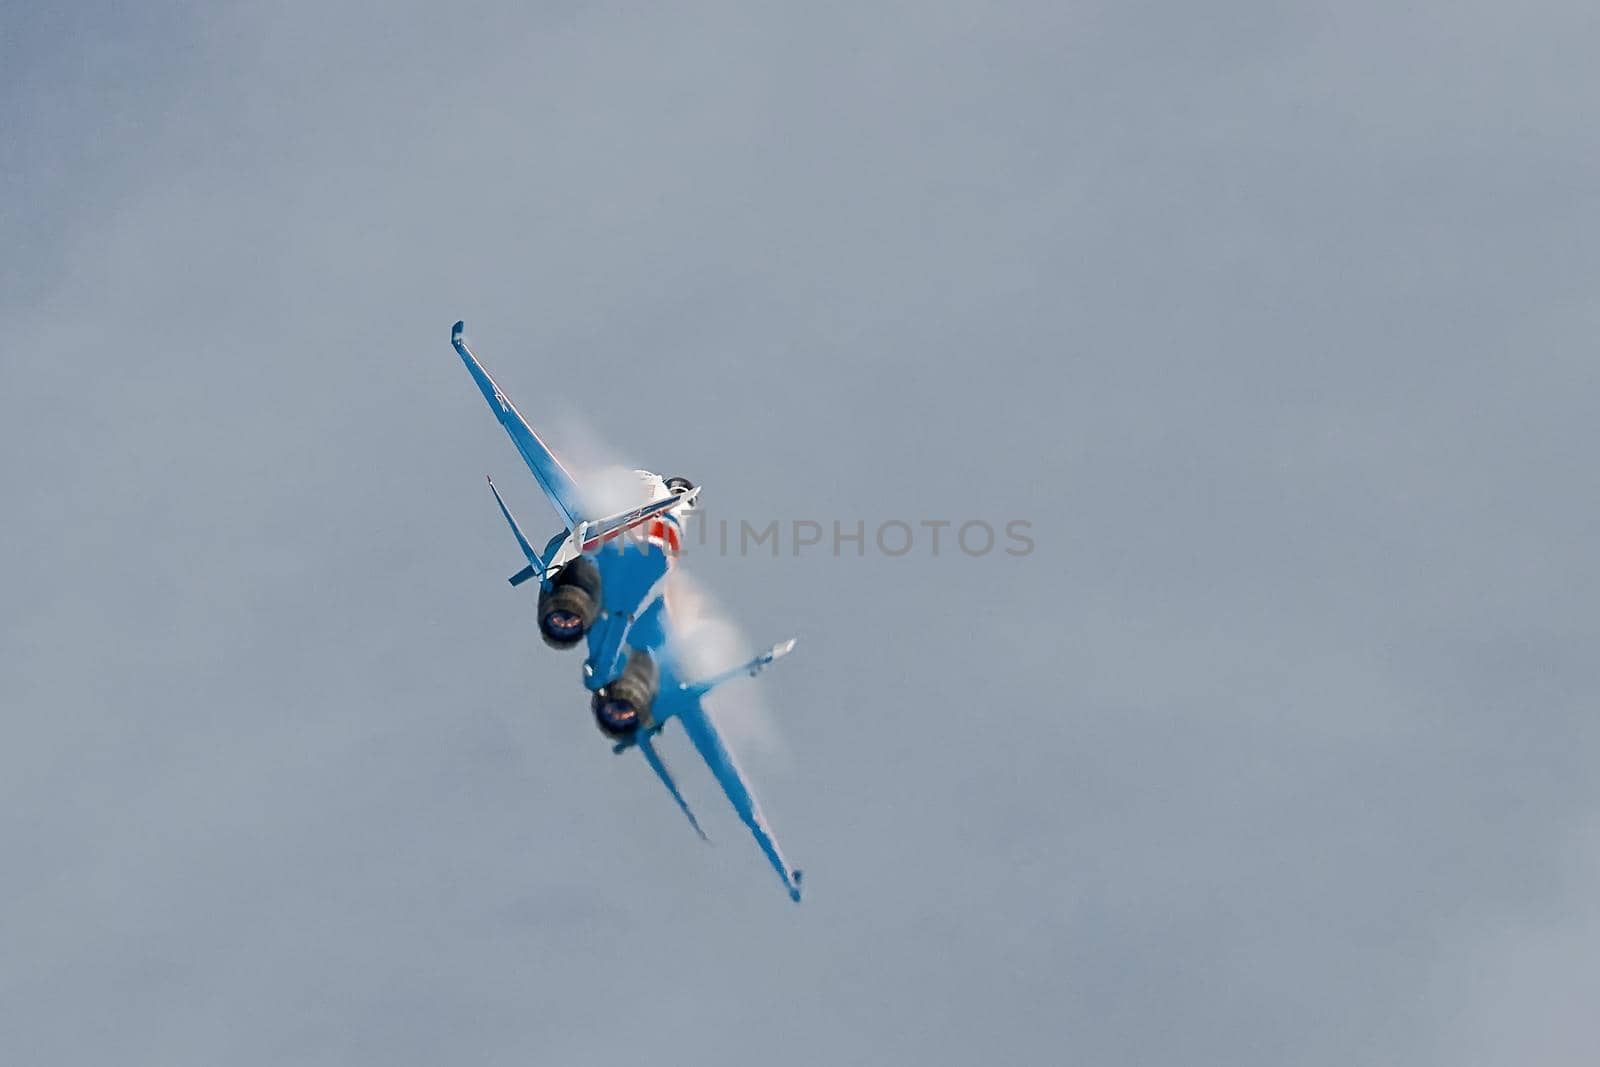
[594,534]
[751,669]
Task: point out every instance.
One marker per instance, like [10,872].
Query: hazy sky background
[1277,321]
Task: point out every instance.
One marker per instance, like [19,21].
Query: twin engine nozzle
[569,607]
[622,707]
[566,611]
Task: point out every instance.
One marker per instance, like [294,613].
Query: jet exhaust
[569,607]
[623,706]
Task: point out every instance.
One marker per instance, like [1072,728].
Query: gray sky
[1277,323]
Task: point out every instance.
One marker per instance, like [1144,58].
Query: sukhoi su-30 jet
[602,582]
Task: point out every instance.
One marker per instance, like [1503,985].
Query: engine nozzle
[621,707]
[569,607]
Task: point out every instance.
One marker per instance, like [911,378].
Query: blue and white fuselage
[603,581]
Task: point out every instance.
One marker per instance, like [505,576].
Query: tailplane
[750,669]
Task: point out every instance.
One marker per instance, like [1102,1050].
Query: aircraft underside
[603,582]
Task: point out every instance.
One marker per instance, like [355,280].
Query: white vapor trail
[705,634]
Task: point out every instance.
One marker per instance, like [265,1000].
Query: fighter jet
[602,583]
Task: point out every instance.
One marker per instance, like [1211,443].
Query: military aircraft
[603,580]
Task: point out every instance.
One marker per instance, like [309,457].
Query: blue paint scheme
[535,567]
[652,757]
[547,470]
[634,615]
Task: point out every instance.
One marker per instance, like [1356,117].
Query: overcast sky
[1277,322]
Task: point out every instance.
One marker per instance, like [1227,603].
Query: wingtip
[457,330]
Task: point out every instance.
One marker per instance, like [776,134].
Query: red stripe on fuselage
[666,534]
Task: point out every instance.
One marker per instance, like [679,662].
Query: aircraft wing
[709,742]
[552,477]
